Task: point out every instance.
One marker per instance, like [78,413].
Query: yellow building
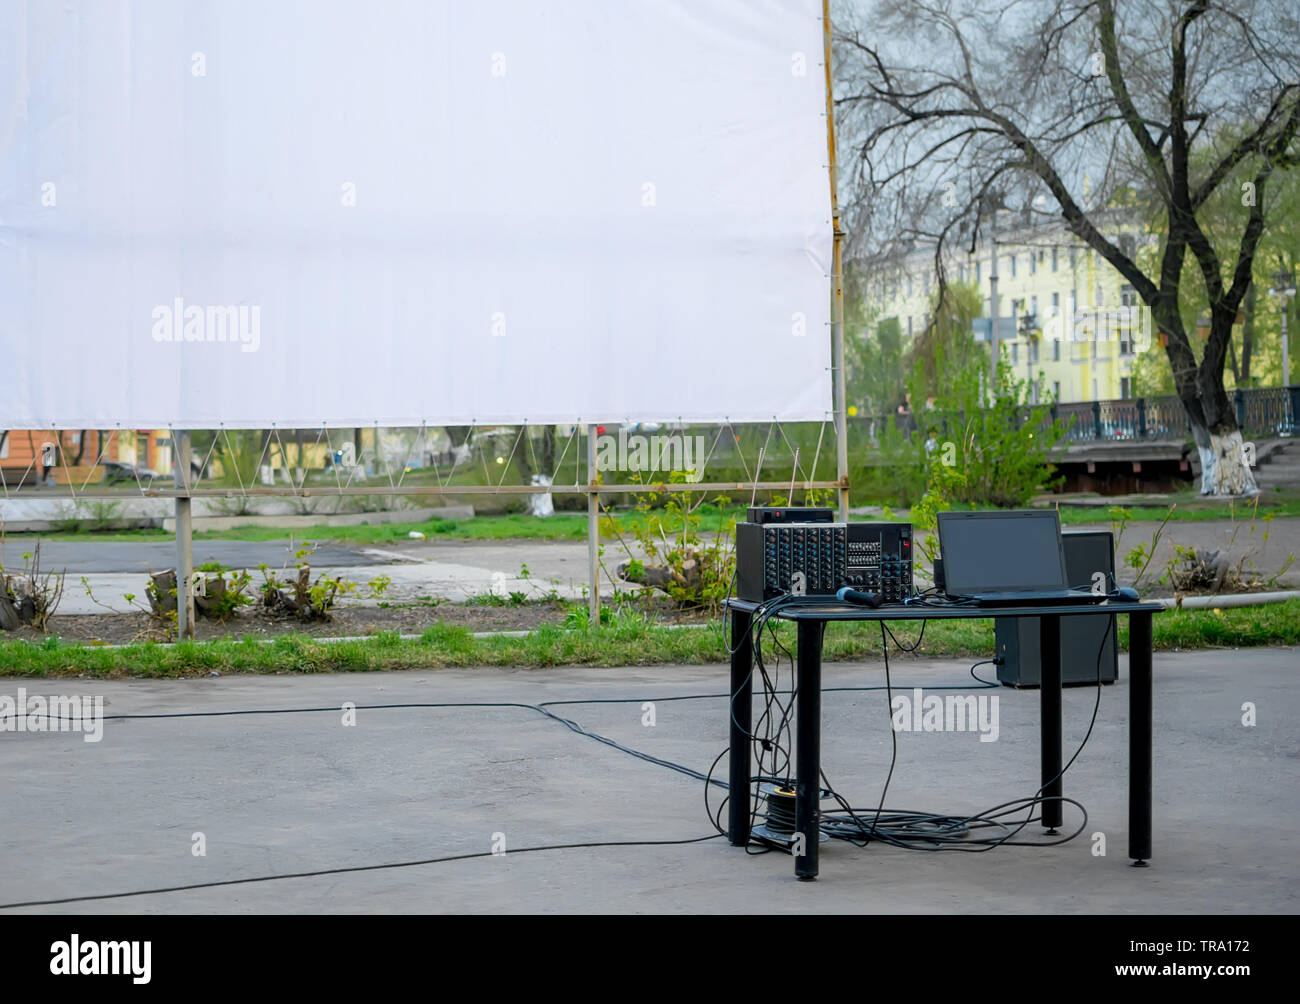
[1065,313]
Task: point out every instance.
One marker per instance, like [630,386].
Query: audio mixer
[817,559]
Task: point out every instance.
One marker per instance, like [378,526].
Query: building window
[1013,266]
[909,285]
[1056,304]
[1056,350]
[1128,296]
[1015,353]
[1055,263]
[1094,389]
[1033,350]
[1125,386]
[1033,308]
[1074,302]
[1056,389]
[979,269]
[909,325]
[1033,263]
[1125,345]
[142,449]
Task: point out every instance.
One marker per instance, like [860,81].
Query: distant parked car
[116,470]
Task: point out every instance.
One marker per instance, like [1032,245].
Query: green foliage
[225,599]
[946,345]
[304,599]
[875,362]
[677,555]
[1000,449]
[93,516]
[239,452]
[578,617]
[895,469]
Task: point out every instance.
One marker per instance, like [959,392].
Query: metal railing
[1262,413]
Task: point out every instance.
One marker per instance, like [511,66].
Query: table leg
[808,712]
[1139,738]
[1050,698]
[740,711]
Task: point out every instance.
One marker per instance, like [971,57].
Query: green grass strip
[629,643]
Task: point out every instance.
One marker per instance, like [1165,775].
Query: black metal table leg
[1139,738]
[1050,697]
[808,741]
[741,712]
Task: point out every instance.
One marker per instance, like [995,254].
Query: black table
[812,615]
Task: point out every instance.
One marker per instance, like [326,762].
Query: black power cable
[356,868]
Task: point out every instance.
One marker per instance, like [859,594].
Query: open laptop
[1011,558]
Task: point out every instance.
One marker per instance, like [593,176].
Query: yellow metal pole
[839,391]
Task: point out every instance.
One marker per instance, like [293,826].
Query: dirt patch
[253,621]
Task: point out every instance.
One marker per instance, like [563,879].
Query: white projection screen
[308,213]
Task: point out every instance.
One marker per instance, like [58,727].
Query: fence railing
[1262,413]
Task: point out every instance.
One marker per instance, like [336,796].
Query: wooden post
[593,533]
[184,538]
[839,386]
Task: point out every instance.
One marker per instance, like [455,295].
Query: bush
[1000,449]
[675,555]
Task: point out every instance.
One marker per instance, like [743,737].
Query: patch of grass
[1191,511]
[627,640]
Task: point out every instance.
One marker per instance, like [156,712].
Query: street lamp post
[1028,326]
[1284,286]
[993,303]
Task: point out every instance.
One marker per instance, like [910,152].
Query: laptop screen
[997,552]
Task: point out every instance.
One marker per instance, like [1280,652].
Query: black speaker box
[1087,552]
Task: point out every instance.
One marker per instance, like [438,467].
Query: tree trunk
[1224,467]
[1247,336]
[81,446]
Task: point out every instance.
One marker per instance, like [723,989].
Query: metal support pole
[808,745]
[184,538]
[1049,695]
[1139,737]
[993,305]
[742,718]
[839,385]
[593,533]
[1286,346]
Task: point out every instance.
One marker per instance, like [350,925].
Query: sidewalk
[288,793]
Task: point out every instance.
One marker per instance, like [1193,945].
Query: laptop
[1011,558]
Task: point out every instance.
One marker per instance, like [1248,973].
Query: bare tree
[947,104]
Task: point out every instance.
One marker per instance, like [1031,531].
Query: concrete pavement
[282,793]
